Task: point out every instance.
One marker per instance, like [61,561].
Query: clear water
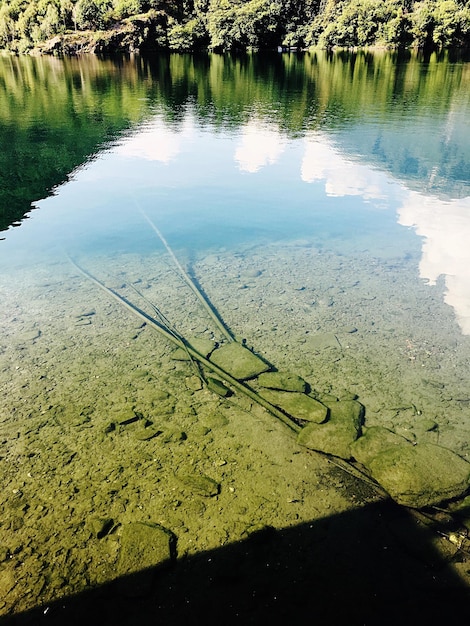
[322,202]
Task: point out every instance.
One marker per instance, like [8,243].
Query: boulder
[217,386]
[282,381]
[374,441]
[421,475]
[347,412]
[200,484]
[144,546]
[100,526]
[201,344]
[297,405]
[337,434]
[238,361]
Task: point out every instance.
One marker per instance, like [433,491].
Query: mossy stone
[337,434]
[238,361]
[330,438]
[200,484]
[373,442]
[144,546]
[282,381]
[421,475]
[347,411]
[297,405]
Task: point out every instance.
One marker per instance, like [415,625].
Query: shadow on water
[374,565]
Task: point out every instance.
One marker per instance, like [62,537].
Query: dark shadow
[371,566]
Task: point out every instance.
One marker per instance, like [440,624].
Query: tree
[90,14]
[50,24]
[187,37]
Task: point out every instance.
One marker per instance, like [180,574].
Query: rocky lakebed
[139,485]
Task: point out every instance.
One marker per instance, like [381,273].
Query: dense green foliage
[183,25]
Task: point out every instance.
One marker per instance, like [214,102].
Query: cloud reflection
[157,141]
[322,161]
[445,228]
[443,225]
[259,146]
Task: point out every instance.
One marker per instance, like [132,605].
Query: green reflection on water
[56,114]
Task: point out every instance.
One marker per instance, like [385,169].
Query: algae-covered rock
[337,434]
[321,341]
[144,546]
[330,438]
[144,433]
[347,411]
[215,420]
[217,386]
[282,381]
[127,416]
[200,484]
[421,475]
[200,344]
[297,404]
[171,435]
[100,526]
[238,361]
[193,383]
[376,440]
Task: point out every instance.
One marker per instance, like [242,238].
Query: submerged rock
[202,345]
[337,434]
[100,526]
[238,361]
[215,420]
[145,433]
[282,381]
[217,386]
[144,546]
[200,484]
[375,440]
[321,341]
[421,475]
[297,404]
[172,435]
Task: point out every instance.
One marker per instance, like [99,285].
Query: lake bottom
[85,383]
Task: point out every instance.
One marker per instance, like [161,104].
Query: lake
[321,203]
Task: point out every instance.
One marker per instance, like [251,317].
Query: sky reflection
[190,175]
[445,229]
[259,146]
[444,226]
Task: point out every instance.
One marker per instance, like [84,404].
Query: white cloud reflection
[322,161]
[445,228]
[443,225]
[259,146]
[157,141]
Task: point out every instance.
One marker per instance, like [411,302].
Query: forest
[64,26]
